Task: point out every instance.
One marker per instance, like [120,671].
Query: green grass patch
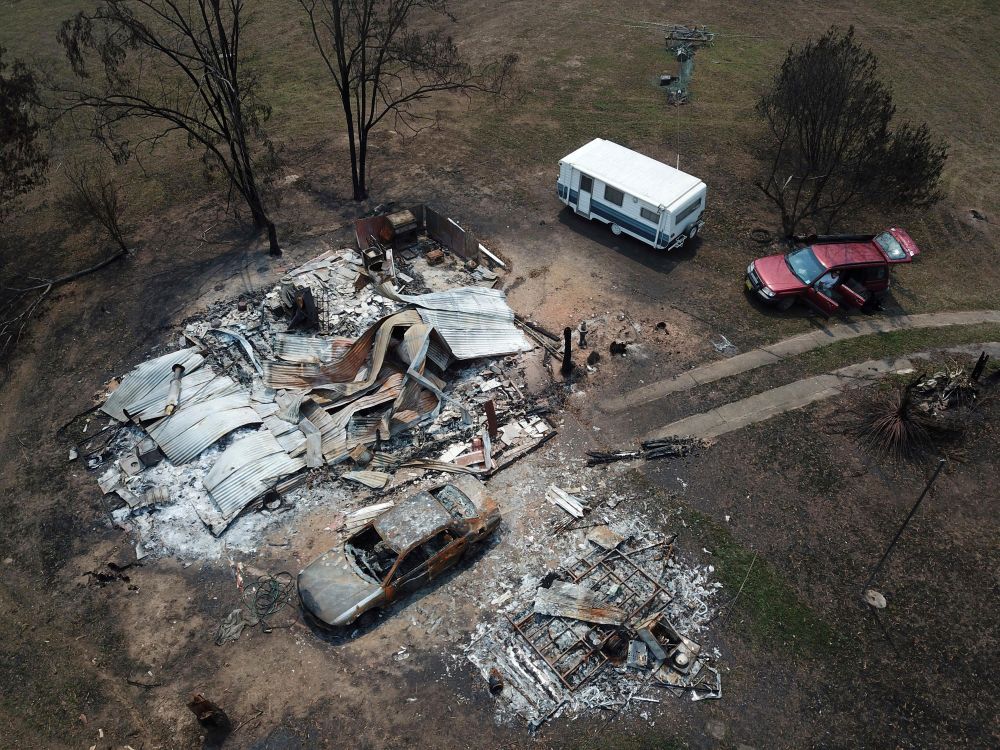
[768,609]
[891,344]
[768,612]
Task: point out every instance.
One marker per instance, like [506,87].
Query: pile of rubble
[949,389]
[335,373]
[601,632]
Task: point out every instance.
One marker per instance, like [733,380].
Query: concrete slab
[762,406]
[724,368]
[790,347]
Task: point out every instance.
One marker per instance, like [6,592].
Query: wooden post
[567,363]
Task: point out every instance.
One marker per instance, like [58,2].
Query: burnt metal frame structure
[595,569]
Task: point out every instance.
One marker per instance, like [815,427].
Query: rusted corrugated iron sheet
[201,385]
[372,227]
[311,349]
[187,432]
[146,377]
[338,376]
[564,599]
[338,440]
[473,321]
[246,470]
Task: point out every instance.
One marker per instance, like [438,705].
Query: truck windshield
[804,264]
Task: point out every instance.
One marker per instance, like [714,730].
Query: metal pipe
[902,528]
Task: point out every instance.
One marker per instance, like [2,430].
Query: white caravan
[636,195]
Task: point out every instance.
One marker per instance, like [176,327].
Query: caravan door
[583,198]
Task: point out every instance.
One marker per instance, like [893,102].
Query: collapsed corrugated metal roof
[473,321]
[187,432]
[147,377]
[315,349]
[201,385]
[244,472]
[339,376]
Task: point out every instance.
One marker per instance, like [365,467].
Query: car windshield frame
[890,246]
[808,261]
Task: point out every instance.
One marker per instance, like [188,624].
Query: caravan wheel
[692,232]
[616,230]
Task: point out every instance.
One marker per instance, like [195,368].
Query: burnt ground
[804,663]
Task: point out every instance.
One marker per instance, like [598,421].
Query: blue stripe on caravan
[606,212]
[622,220]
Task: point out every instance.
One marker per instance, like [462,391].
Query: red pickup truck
[832,272]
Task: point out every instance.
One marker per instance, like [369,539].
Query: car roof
[835,254]
[412,521]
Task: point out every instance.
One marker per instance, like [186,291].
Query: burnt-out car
[832,272]
[412,543]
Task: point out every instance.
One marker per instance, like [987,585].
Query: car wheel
[785,304]
[616,230]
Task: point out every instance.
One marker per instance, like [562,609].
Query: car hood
[333,591]
[775,274]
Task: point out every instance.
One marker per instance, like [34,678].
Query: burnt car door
[410,572]
[452,552]
[427,559]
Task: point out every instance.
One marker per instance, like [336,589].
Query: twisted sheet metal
[339,375]
[310,349]
[146,377]
[473,321]
[187,432]
[338,439]
[246,470]
[201,385]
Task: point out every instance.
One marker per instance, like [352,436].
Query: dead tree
[21,303]
[177,66]
[22,157]
[96,197]
[381,67]
[831,146]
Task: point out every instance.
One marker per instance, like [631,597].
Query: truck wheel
[785,304]
[616,230]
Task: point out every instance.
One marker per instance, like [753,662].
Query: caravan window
[586,183]
[650,215]
[687,211]
[613,195]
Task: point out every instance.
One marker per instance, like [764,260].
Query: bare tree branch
[380,67]
[178,62]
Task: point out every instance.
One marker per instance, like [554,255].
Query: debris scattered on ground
[948,389]
[906,422]
[724,346]
[669,447]
[572,505]
[608,624]
[334,368]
